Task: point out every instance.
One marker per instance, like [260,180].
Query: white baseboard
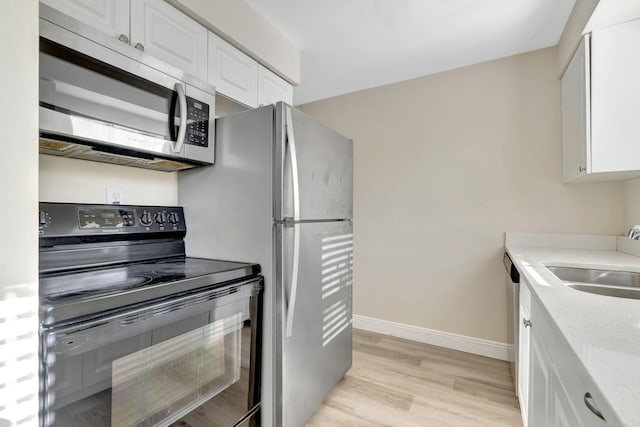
[493,349]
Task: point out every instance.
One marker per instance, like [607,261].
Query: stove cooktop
[89,291]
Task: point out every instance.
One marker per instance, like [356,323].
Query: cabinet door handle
[139,46]
[582,169]
[588,400]
[123,38]
[526,323]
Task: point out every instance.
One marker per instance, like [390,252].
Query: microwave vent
[170,164]
[50,144]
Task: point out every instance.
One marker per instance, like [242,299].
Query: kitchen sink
[622,284]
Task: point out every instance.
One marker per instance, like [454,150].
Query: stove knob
[161,218]
[174,218]
[145,218]
[42,218]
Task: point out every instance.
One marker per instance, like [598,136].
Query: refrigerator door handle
[294,279]
[296,217]
[293,156]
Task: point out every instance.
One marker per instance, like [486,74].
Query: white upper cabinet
[109,16]
[152,26]
[615,94]
[272,88]
[232,72]
[576,133]
[601,106]
[167,34]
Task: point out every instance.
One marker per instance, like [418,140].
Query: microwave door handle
[296,217]
[182,130]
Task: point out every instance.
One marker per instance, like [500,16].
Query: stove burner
[170,270]
[134,281]
[96,283]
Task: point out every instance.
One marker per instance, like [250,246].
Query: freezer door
[313,170]
[314,279]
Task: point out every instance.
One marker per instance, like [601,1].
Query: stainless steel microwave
[106,103]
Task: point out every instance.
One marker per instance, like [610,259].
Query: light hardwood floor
[395,382]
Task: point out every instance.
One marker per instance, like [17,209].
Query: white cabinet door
[576,133]
[108,16]
[523,360]
[524,344]
[601,106]
[272,88]
[562,412]
[540,384]
[167,34]
[233,73]
[615,98]
[558,386]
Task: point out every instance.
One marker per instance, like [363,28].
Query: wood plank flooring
[395,382]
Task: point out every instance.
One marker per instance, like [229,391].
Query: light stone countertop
[603,331]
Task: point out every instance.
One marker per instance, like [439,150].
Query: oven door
[191,360]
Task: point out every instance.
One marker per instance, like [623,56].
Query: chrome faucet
[634,232]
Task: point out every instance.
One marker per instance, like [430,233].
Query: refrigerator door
[314,282]
[313,169]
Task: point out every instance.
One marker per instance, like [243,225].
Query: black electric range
[133,329]
[95,259]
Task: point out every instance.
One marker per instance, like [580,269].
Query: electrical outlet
[115,196]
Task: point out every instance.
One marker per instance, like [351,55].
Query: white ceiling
[349,45]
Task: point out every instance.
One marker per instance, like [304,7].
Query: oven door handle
[147,312]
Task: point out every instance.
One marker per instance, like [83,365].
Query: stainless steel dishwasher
[513,314]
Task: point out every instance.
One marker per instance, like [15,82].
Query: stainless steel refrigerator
[281,194]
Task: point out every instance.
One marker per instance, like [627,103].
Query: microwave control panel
[197,123]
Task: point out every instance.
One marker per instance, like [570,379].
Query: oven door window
[159,384]
[194,368]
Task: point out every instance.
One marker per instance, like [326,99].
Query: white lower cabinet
[563,412]
[539,384]
[524,341]
[549,404]
[555,390]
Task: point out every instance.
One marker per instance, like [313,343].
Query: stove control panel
[68,220]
